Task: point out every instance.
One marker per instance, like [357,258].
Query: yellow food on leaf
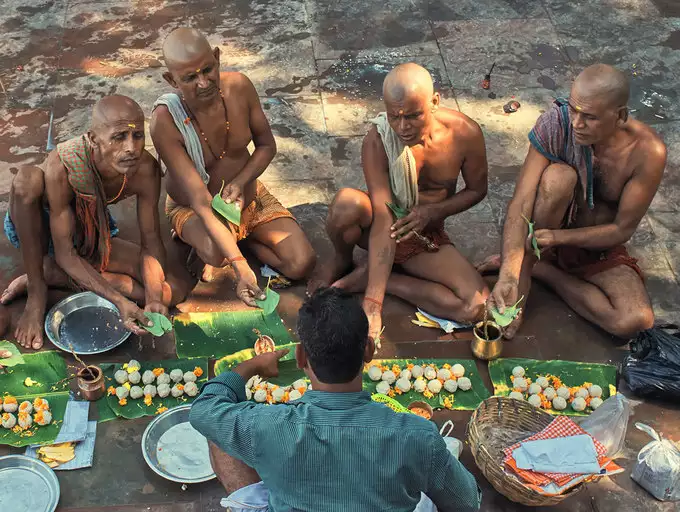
[132,369]
[111,390]
[198,371]
[158,371]
[122,401]
[127,386]
[29,382]
[148,400]
[161,410]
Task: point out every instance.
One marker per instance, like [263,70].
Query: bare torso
[213,126]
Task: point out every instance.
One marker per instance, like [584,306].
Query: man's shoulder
[235,81]
[652,149]
[460,125]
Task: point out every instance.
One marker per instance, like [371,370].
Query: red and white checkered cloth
[561,426]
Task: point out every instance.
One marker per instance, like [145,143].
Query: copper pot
[91,383]
[422,405]
[487,349]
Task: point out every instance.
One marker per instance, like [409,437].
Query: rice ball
[435,386]
[8,420]
[150,390]
[148,377]
[534,400]
[176,375]
[136,392]
[189,377]
[549,393]
[121,376]
[277,395]
[383,387]
[163,390]
[300,383]
[176,391]
[26,407]
[520,383]
[135,377]
[451,385]
[389,377]
[260,396]
[163,378]
[595,391]
[579,404]
[518,371]
[43,417]
[374,373]
[464,384]
[535,389]
[543,382]
[430,373]
[563,392]
[40,404]
[458,370]
[581,393]
[419,384]
[133,365]
[405,374]
[294,395]
[122,392]
[559,403]
[595,402]
[403,385]
[516,395]
[10,404]
[444,374]
[191,389]
[25,420]
[417,371]
[249,394]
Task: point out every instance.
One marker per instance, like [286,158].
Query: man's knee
[558,181]
[28,185]
[301,265]
[627,326]
[466,310]
[209,253]
[346,209]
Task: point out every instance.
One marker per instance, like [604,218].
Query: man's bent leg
[25,207]
[232,473]
[615,299]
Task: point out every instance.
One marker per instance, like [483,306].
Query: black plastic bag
[652,369]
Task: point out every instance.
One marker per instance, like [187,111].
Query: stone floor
[318,67]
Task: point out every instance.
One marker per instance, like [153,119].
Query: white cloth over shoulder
[187,130]
[402,164]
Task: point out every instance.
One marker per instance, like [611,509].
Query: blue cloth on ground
[573,454]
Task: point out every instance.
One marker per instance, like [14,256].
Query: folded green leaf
[534,242]
[16,357]
[506,318]
[229,211]
[397,210]
[161,324]
[270,302]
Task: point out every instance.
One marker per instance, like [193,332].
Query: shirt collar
[335,401]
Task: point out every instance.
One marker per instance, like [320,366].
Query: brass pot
[91,383]
[487,349]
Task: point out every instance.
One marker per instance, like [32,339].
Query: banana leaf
[218,334]
[37,434]
[397,210]
[511,312]
[571,373]
[269,304]
[104,412]
[137,408]
[161,324]
[229,211]
[47,369]
[288,371]
[534,242]
[462,400]
[16,357]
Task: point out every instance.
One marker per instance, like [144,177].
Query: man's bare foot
[29,331]
[510,331]
[356,281]
[17,288]
[328,272]
[490,265]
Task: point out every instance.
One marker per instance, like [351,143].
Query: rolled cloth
[84,180]
[402,165]
[554,138]
[192,142]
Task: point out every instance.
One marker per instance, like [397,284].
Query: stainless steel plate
[88,322]
[175,450]
[27,485]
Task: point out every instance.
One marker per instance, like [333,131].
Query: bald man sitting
[202,135]
[411,158]
[59,218]
[587,181]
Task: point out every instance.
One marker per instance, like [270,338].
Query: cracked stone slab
[443,10]
[667,198]
[23,135]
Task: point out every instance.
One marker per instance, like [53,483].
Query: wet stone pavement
[318,67]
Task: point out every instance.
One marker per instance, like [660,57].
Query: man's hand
[417,220]
[156,307]
[265,365]
[233,193]
[374,315]
[505,293]
[546,239]
[130,314]
[247,288]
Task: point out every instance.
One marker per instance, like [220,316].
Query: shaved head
[407,80]
[184,45]
[601,81]
[115,109]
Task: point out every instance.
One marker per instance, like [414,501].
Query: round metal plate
[175,450]
[27,484]
[86,321]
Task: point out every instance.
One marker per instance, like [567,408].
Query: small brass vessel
[484,349]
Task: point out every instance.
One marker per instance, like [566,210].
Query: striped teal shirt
[334,451]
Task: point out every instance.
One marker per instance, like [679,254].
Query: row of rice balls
[40,408]
[427,379]
[549,392]
[156,382]
[265,392]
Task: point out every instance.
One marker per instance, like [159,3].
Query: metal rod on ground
[50,143]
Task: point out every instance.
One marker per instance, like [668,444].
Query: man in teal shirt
[334,449]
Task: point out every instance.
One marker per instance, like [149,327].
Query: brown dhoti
[414,246]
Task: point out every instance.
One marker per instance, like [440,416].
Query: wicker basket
[497,423]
